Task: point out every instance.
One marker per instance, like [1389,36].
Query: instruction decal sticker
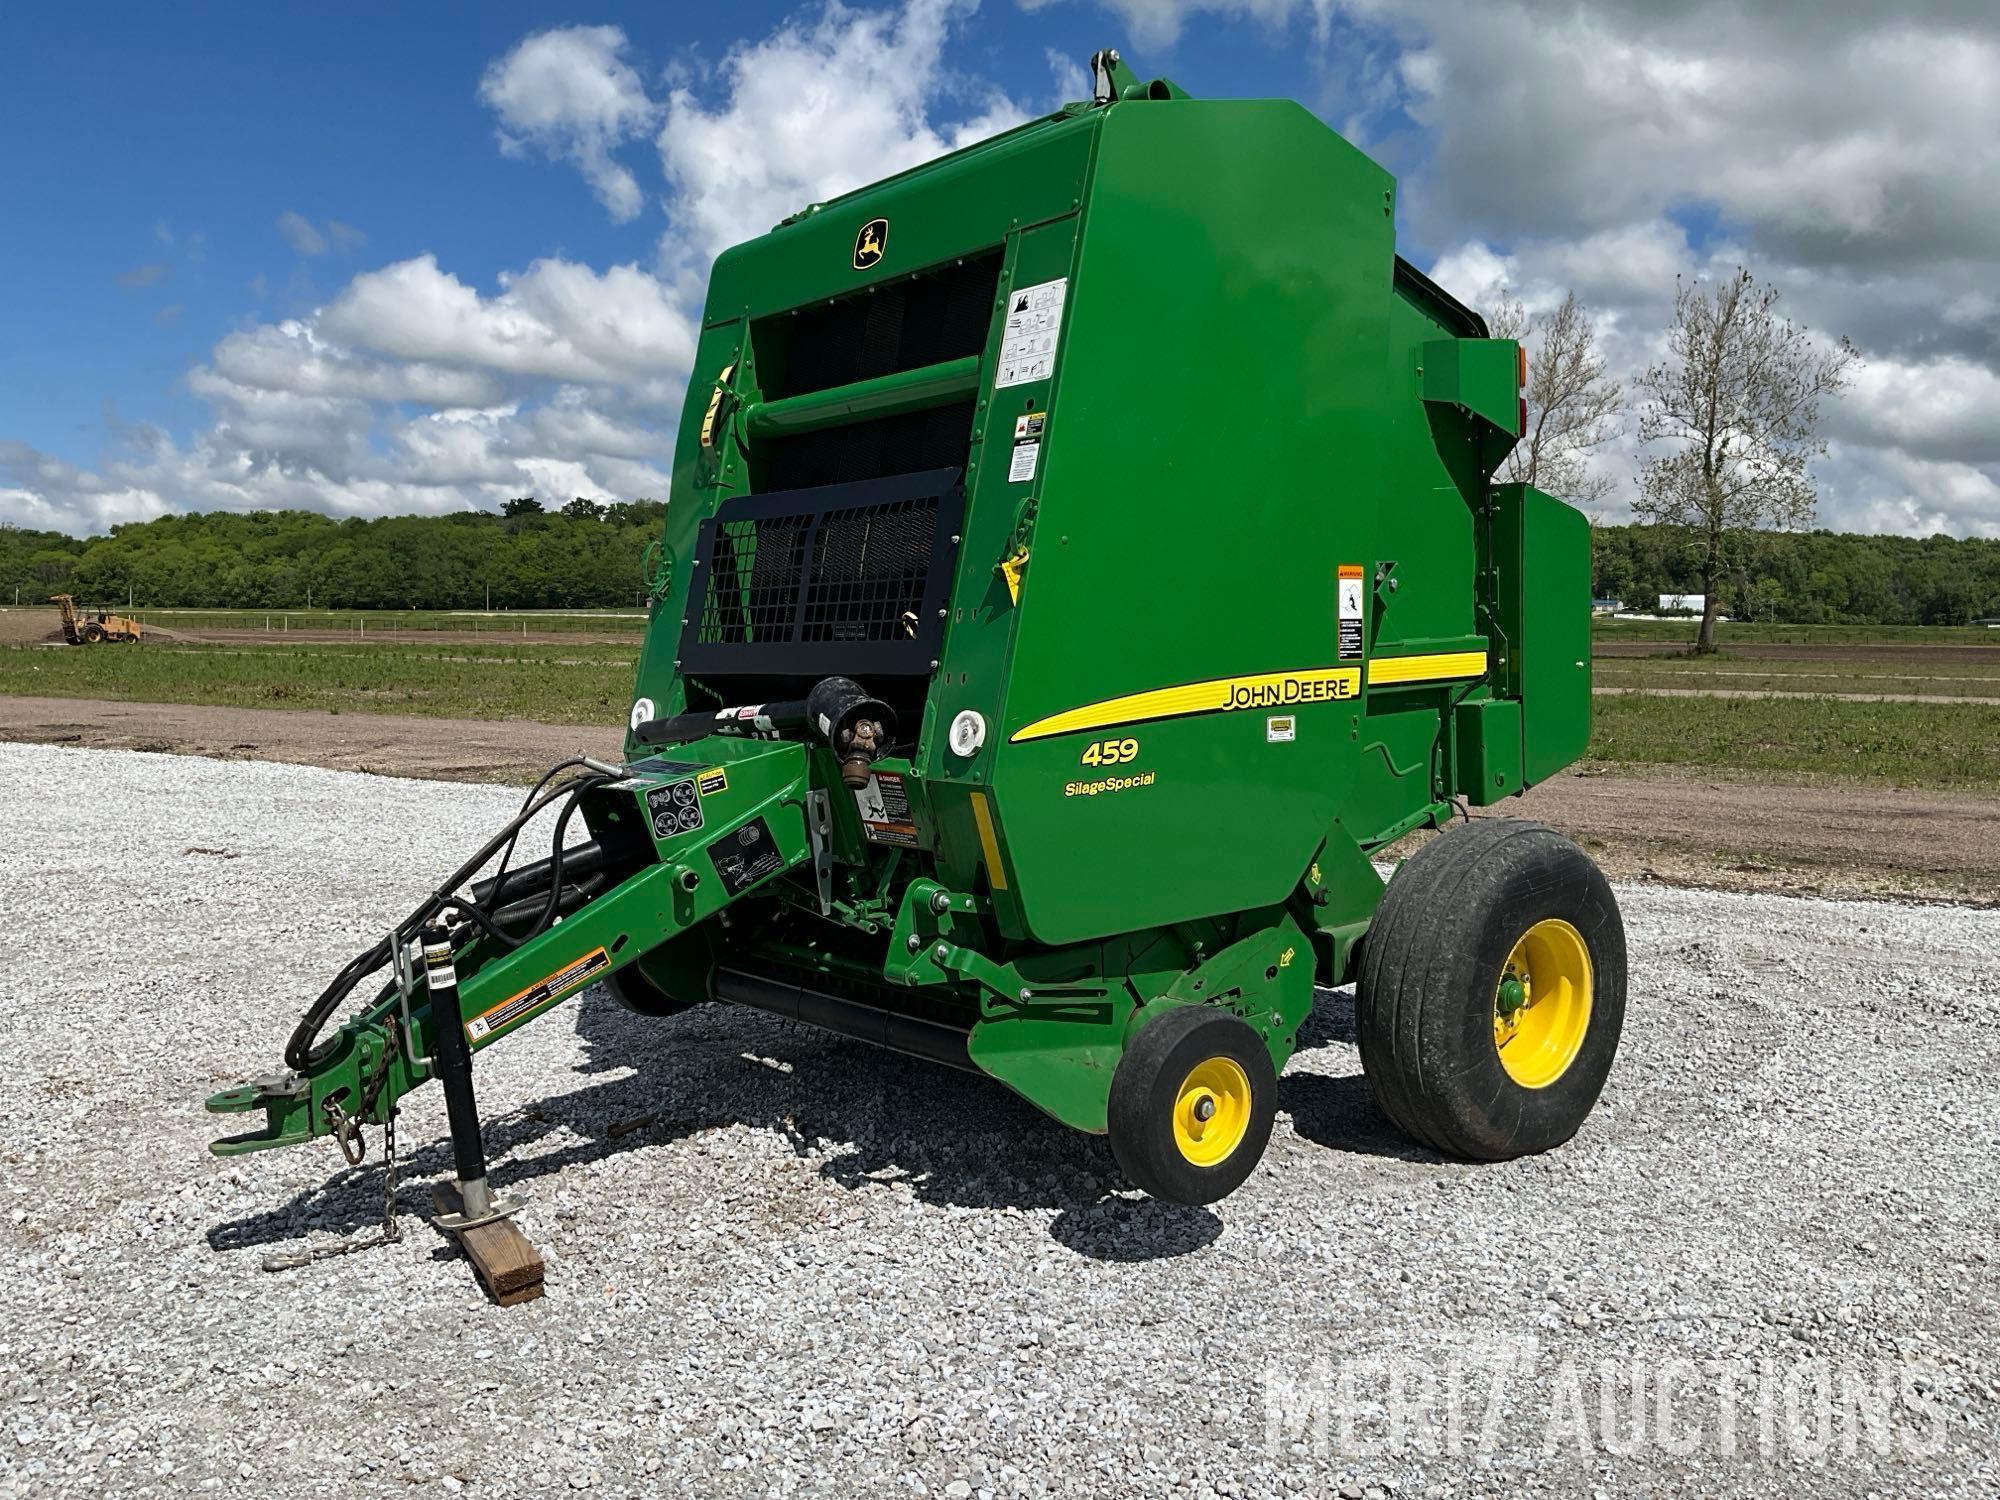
[674,809]
[716,780]
[536,996]
[1350,611]
[1021,468]
[884,805]
[1028,346]
[743,858]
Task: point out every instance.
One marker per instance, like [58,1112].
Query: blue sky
[158,151]
[364,260]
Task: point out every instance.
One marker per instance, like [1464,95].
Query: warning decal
[1350,610]
[1028,347]
[674,809]
[1022,467]
[884,805]
[535,996]
[716,780]
[746,856]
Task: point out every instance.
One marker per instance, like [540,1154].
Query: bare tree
[1736,404]
[1574,404]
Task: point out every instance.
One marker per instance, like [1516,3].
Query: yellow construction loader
[80,627]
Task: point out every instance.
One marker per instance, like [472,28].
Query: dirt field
[1941,654]
[1683,830]
[23,627]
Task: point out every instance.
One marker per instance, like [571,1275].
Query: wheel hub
[1212,1111]
[1541,1006]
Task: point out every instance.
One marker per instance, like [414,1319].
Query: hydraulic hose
[303,1049]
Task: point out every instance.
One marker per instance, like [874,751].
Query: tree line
[584,555]
[1808,577]
[590,556]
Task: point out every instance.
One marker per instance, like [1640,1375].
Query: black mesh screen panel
[869,569]
[843,578]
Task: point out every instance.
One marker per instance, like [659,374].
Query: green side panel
[1481,375]
[1542,596]
[1488,739]
[1060,1059]
[1218,364]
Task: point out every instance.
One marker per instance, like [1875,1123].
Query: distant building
[1694,604]
[1606,606]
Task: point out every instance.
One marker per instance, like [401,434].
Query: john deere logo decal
[870,244]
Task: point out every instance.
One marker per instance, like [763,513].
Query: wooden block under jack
[509,1266]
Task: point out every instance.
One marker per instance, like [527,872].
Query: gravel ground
[823,1269]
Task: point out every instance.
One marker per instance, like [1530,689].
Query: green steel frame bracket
[656,570]
[931,944]
[928,916]
[501,990]
[1265,978]
[1433,815]
[1337,900]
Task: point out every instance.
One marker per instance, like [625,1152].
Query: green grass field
[364,622]
[1935,745]
[1734,633]
[1939,745]
[567,684]
[1733,673]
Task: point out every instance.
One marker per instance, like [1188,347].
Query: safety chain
[346,1129]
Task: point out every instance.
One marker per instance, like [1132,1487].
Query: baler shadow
[1339,1112]
[1330,1022]
[951,1138]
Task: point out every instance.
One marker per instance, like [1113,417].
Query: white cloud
[301,234]
[1610,148]
[295,356]
[570,93]
[414,390]
[308,238]
[557,320]
[1158,23]
[788,131]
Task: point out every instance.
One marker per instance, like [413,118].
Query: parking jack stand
[508,1265]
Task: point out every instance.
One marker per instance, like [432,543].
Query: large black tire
[93,633]
[1192,1104]
[1492,991]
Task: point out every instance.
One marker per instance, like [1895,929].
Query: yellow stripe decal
[1384,670]
[1217,695]
[996,873]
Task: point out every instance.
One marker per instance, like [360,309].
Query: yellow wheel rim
[1212,1111]
[1541,1007]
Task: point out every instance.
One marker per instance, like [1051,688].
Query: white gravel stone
[826,1270]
